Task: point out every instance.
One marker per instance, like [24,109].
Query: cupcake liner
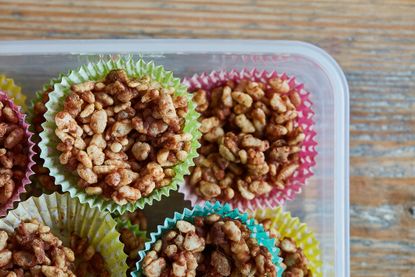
[257,230]
[291,227]
[38,97]
[65,215]
[13,91]
[95,71]
[36,188]
[305,119]
[125,223]
[20,188]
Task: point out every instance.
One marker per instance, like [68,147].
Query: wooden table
[374,42]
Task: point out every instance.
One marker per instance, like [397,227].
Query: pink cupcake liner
[308,153]
[20,187]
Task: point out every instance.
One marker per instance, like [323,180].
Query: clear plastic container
[324,203]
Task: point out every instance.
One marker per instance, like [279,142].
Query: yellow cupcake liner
[291,227]
[13,91]
[65,215]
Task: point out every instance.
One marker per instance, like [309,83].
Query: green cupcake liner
[96,71]
[65,215]
[125,223]
[36,188]
[257,230]
[38,97]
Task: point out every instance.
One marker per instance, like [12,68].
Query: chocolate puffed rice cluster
[33,250]
[211,246]
[122,136]
[295,263]
[14,158]
[251,139]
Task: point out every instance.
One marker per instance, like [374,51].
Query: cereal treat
[136,218]
[122,136]
[251,139]
[294,262]
[32,250]
[132,244]
[132,227]
[89,261]
[43,178]
[211,246]
[14,152]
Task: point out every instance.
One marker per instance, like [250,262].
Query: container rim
[227,46]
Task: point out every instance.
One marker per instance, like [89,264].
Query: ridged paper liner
[13,91]
[20,188]
[305,119]
[125,223]
[257,230]
[36,187]
[291,227]
[97,71]
[65,215]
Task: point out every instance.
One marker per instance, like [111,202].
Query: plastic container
[324,202]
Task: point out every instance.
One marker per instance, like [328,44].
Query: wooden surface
[374,42]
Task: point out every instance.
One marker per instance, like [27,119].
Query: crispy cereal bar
[294,261]
[89,261]
[13,152]
[42,174]
[33,250]
[122,136]
[211,246]
[136,218]
[133,243]
[251,139]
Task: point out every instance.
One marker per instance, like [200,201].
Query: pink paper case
[20,187]
[305,119]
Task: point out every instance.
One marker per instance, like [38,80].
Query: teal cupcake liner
[257,230]
[97,71]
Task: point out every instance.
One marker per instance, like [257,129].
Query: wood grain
[374,41]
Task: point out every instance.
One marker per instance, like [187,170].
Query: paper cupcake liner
[36,188]
[20,188]
[95,71]
[13,91]
[125,223]
[305,119]
[38,97]
[257,230]
[291,227]
[65,215]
